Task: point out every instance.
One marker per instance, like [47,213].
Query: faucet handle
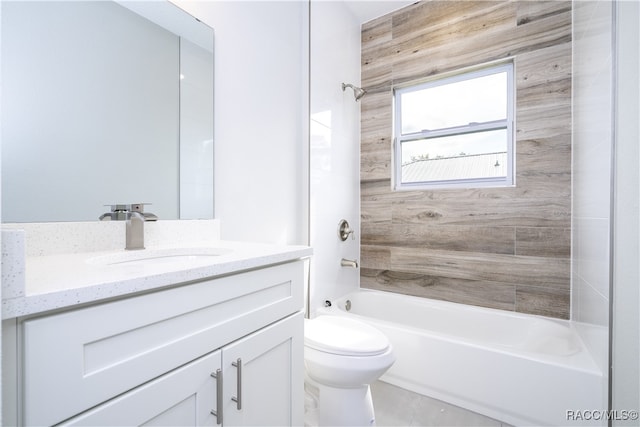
[132,207]
[137,207]
[344,229]
[120,212]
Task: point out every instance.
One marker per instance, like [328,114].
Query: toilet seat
[343,336]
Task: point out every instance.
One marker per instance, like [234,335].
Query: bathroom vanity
[206,336]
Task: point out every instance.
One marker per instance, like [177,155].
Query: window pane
[482,99]
[468,156]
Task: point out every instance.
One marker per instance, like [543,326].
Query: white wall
[592,148]
[335,147]
[260,111]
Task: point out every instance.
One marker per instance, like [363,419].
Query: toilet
[342,357]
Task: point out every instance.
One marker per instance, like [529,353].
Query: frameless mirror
[104,103]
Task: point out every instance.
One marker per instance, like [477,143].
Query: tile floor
[398,407]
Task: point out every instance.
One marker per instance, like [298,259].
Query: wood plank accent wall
[505,248]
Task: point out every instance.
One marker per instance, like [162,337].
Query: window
[456,131]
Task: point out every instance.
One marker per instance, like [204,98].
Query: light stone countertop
[63,280]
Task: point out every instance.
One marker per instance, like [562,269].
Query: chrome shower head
[358,92]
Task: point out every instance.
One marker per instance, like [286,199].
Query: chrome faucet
[135,216]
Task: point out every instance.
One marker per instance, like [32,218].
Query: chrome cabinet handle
[238,399]
[219,405]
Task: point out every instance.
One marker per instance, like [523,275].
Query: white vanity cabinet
[149,359]
[248,383]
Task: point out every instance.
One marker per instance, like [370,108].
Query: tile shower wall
[506,248]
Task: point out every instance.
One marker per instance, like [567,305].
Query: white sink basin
[159,256]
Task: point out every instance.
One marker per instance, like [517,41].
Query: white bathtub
[520,369]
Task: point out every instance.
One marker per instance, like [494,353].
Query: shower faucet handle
[344,230]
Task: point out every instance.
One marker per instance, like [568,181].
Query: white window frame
[473,127]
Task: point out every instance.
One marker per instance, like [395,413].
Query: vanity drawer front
[78,359]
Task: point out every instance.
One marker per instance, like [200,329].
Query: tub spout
[349,263]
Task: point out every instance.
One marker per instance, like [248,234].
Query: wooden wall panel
[506,248]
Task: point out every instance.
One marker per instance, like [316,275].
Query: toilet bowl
[342,357]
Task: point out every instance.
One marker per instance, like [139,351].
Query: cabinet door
[263,376]
[183,397]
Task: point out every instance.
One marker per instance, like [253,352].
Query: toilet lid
[348,337]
